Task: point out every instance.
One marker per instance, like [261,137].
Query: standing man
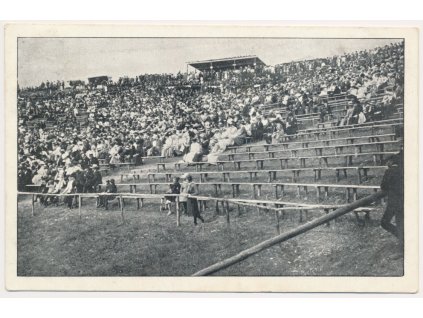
[393,185]
[89,180]
[192,203]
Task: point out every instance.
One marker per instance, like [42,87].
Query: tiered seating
[323,167]
[338,107]
[319,167]
[323,139]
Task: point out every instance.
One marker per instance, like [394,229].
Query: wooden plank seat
[370,123]
[339,103]
[350,190]
[256,188]
[198,165]
[335,109]
[160,158]
[333,130]
[360,211]
[338,149]
[225,176]
[119,164]
[309,143]
[377,158]
[338,108]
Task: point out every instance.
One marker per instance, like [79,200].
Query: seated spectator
[291,124]
[110,188]
[175,188]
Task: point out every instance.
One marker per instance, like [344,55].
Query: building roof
[229,63]
[98,79]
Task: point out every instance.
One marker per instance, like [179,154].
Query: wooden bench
[364,210]
[307,144]
[336,105]
[120,164]
[362,172]
[161,158]
[198,165]
[256,187]
[377,157]
[338,149]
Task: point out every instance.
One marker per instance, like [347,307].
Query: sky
[42,59]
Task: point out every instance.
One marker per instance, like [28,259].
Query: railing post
[178,213]
[79,206]
[227,211]
[32,205]
[278,229]
[121,207]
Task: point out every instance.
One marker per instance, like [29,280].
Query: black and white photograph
[221,156]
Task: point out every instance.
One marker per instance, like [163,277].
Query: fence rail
[278,206]
[288,235]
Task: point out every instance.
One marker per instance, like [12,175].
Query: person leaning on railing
[110,188]
[393,185]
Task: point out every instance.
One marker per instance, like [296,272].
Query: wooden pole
[288,235]
[278,229]
[121,208]
[227,211]
[32,205]
[79,206]
[178,213]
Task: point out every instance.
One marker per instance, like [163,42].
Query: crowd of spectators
[64,131]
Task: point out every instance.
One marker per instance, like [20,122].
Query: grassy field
[55,242]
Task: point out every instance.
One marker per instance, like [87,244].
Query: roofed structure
[230,63]
[98,80]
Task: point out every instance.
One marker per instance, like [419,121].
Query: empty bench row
[361,173]
[351,190]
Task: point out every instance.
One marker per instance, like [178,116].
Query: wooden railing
[288,235]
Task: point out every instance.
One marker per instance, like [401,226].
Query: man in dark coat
[89,179]
[98,178]
[79,181]
[393,185]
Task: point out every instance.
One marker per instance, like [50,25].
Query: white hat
[185,176]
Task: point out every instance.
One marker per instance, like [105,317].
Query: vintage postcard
[211,158]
